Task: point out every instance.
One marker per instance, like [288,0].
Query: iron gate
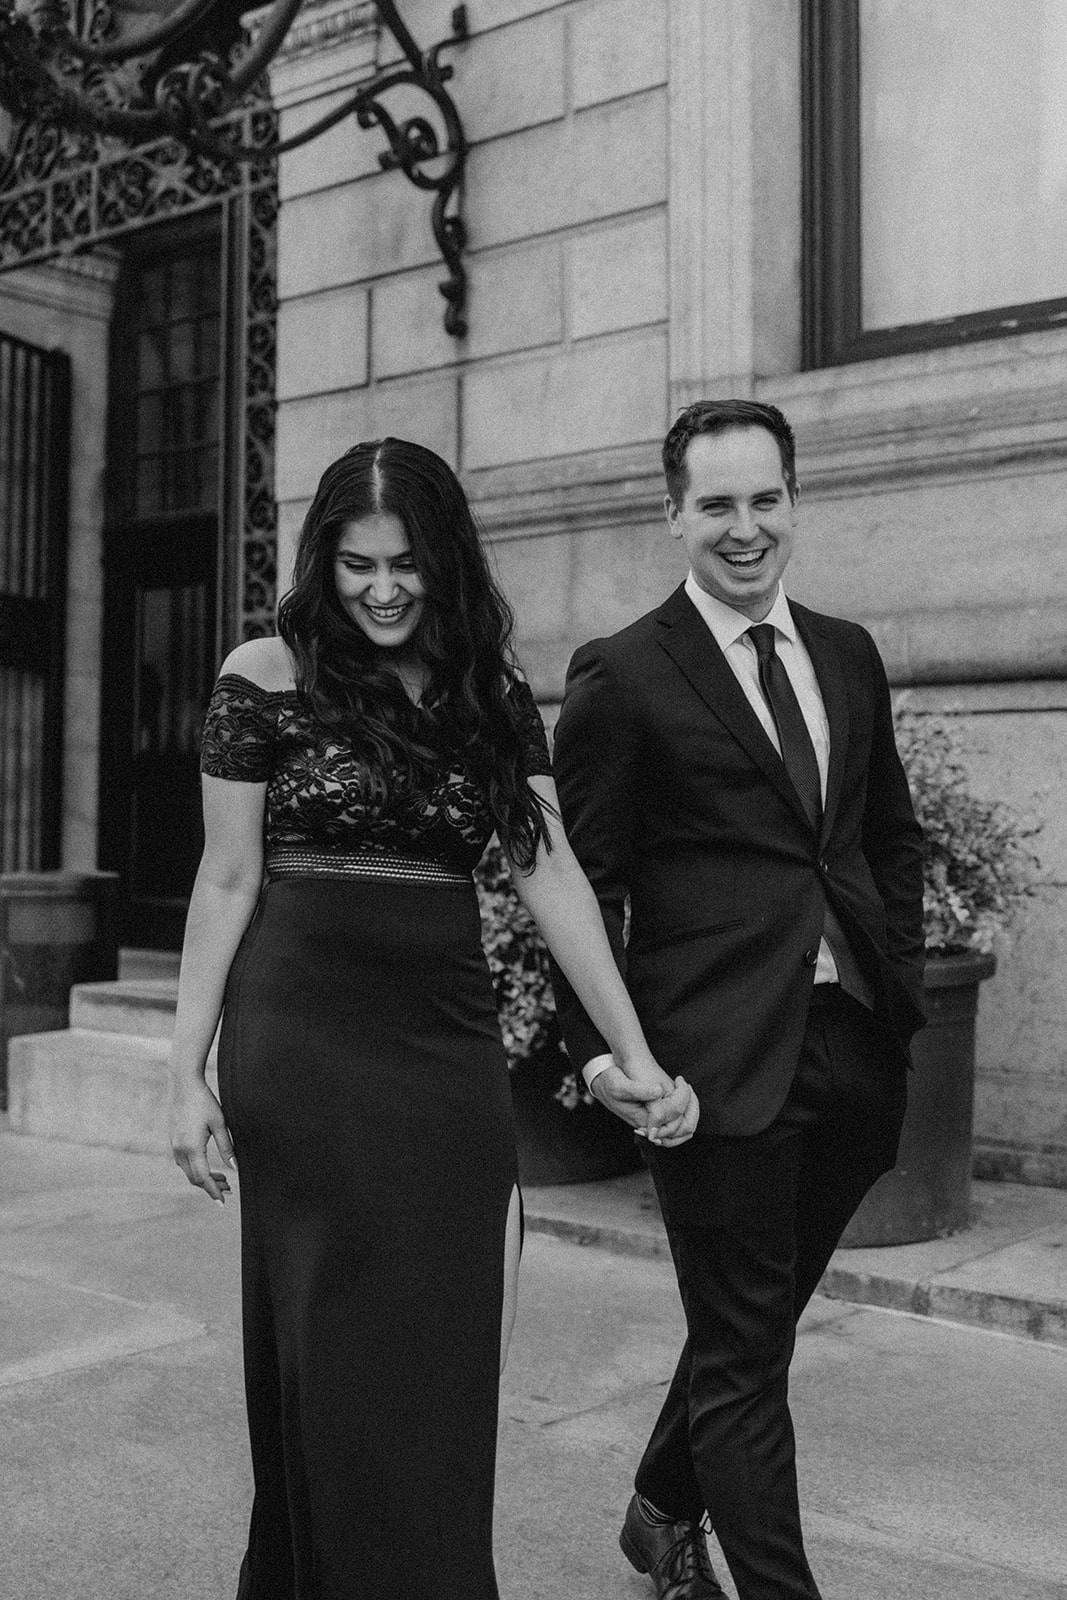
[34,477]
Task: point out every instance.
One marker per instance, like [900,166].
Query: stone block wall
[565,108]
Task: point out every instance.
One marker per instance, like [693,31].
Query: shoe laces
[688,1556]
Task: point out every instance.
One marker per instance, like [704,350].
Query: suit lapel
[692,647]
[826,660]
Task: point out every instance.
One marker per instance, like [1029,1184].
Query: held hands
[657,1107]
[196,1117]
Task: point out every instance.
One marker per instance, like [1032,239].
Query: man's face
[737,518]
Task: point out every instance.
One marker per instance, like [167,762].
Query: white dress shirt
[730,631]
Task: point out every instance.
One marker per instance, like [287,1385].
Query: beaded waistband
[366,864]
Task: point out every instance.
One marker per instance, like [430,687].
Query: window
[936,173]
[167,386]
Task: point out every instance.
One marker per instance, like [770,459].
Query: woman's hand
[663,1110]
[673,1118]
[196,1117]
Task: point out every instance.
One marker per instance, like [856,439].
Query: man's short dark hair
[718,416]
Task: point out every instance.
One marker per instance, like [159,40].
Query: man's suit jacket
[676,801]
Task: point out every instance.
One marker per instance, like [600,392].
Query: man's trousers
[780,1201]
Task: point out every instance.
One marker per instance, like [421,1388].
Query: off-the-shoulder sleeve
[238,732]
[534,738]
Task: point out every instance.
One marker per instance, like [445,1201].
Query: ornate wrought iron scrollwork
[63,63]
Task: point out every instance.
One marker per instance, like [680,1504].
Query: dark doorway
[161,559]
[34,473]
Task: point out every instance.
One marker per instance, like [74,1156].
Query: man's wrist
[595,1067]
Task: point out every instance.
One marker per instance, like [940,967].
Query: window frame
[832,331]
[198,235]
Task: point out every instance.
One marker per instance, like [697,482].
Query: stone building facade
[638,200]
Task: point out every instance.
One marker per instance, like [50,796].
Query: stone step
[151,964]
[140,1006]
[92,1087]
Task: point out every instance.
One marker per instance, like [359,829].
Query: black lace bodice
[315,799]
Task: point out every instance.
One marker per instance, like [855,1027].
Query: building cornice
[321,24]
[974,411]
[82,285]
[986,411]
[536,499]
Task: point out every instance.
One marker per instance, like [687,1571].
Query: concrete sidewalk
[1008,1270]
[930,1452]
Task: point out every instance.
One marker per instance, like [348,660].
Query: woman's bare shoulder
[264,662]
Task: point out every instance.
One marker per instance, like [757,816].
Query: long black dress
[364,1083]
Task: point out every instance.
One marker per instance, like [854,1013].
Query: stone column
[735,183]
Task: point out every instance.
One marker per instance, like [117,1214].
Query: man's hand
[666,1112]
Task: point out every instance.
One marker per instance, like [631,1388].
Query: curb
[1042,1320]
[1025,1317]
[620,1241]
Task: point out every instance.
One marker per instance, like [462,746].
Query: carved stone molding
[537,499]
[972,644]
[83,285]
[962,413]
[323,23]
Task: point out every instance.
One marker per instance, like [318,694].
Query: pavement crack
[842,1525]
[607,1404]
[23,1276]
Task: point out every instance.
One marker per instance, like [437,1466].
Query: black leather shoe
[674,1554]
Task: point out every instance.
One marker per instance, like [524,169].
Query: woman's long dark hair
[463,639]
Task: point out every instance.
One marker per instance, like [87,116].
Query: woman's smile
[377,581]
[387,615]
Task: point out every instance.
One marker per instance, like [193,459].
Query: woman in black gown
[355,769]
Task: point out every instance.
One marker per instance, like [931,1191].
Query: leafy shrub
[518,962]
[977,868]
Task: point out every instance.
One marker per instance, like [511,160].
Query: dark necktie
[798,756]
[798,752]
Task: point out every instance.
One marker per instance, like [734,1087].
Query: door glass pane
[152,301]
[182,352]
[150,422]
[151,350]
[208,467]
[184,281]
[175,389]
[150,484]
[963,165]
[172,683]
[209,354]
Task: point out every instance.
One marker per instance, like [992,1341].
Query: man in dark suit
[727,768]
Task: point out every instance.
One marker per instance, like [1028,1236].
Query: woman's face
[377,583]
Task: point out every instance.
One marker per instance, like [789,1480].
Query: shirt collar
[728,625]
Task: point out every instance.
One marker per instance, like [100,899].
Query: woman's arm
[223,900]
[557,895]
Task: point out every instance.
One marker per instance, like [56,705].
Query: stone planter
[560,1146]
[56,929]
[928,1192]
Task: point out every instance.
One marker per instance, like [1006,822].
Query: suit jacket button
[824,866]
[810,957]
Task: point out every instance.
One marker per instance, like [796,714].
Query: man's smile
[743,559]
